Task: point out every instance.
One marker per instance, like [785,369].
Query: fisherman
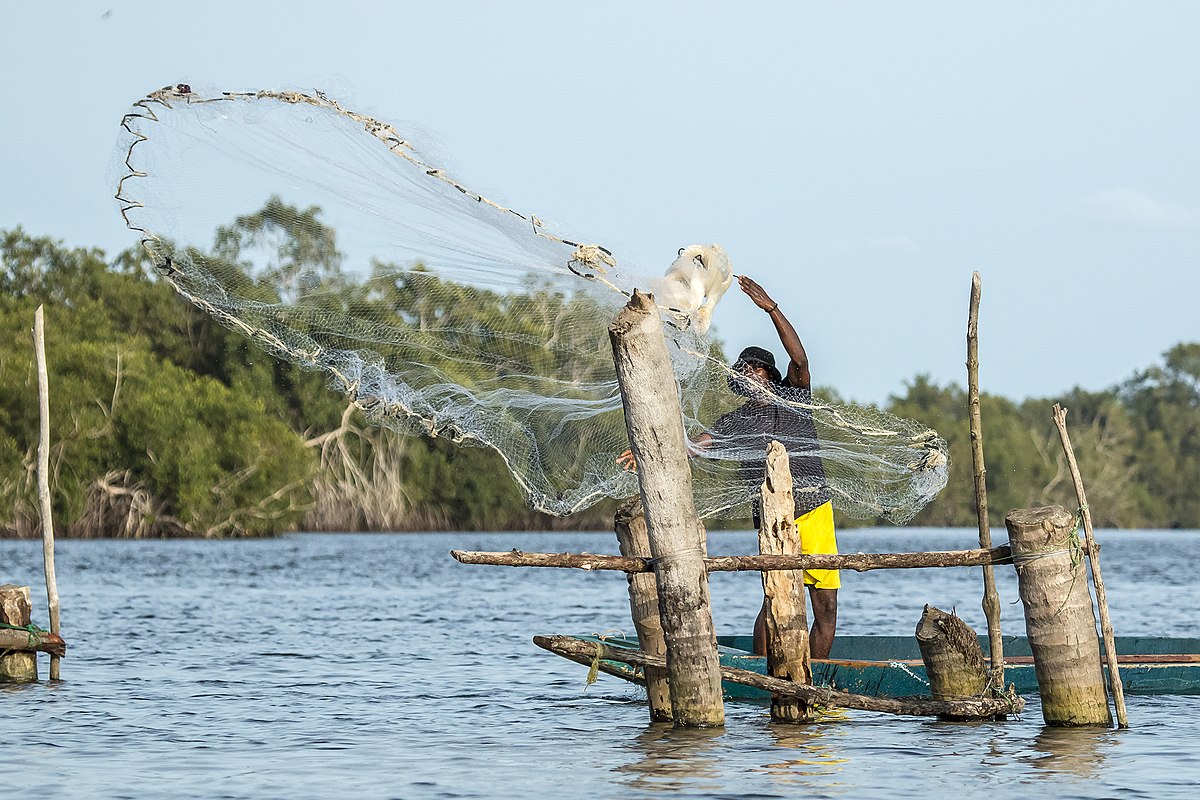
[753,425]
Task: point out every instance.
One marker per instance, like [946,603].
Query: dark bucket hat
[756,355]
[760,356]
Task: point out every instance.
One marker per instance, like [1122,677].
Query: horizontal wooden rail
[859,562]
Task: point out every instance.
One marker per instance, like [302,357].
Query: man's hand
[757,294]
[627,462]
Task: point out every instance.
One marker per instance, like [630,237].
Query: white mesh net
[329,240]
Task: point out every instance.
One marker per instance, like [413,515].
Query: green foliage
[210,456]
[164,421]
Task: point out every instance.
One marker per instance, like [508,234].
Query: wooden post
[1093,552]
[630,526]
[1058,616]
[784,605]
[15,609]
[654,421]
[991,598]
[953,659]
[43,479]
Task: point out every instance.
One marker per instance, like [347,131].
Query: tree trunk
[19,666]
[630,526]
[953,660]
[784,606]
[1059,620]
[655,425]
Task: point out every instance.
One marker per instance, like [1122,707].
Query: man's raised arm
[797,372]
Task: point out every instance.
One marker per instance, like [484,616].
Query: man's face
[755,373]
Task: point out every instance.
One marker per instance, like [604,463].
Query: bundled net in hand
[328,239]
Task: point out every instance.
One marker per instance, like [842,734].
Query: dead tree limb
[978,708]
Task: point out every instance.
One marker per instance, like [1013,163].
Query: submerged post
[43,479]
[655,424]
[952,656]
[16,666]
[1059,619]
[630,526]
[784,609]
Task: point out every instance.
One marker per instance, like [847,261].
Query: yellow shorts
[816,536]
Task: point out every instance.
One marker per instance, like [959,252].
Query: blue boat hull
[890,666]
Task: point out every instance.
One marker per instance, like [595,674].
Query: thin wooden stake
[991,599]
[43,478]
[1093,553]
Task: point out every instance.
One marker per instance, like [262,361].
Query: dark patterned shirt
[743,435]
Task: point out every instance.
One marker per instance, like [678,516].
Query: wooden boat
[890,666]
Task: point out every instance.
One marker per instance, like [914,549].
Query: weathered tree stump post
[15,609]
[952,656]
[784,605]
[654,421]
[630,526]
[1059,619]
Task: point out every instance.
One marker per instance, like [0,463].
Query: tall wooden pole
[654,422]
[784,605]
[1093,553]
[43,478]
[991,600]
[1059,619]
[630,526]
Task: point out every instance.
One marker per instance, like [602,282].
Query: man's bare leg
[824,611]
[820,637]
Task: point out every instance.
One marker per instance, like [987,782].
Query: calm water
[376,666]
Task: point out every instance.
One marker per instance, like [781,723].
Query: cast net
[331,241]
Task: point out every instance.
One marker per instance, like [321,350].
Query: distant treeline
[165,423]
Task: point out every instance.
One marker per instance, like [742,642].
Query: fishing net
[328,239]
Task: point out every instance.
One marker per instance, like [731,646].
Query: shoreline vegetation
[166,424]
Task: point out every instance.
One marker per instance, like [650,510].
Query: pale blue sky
[858,159]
